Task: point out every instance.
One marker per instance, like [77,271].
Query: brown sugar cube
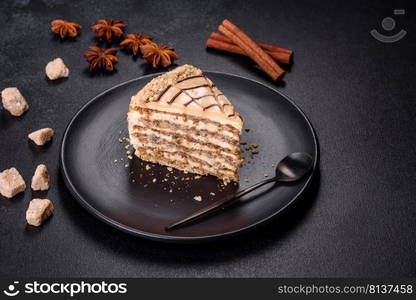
[11,183]
[42,136]
[40,180]
[13,101]
[56,69]
[38,211]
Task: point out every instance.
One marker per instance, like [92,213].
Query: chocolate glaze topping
[189,102]
[197,98]
[162,93]
[182,90]
[174,97]
[212,105]
[200,97]
[195,87]
[185,89]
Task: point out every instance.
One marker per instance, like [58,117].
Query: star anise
[100,58]
[158,54]
[109,30]
[134,41]
[65,28]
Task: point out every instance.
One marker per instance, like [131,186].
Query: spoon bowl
[294,166]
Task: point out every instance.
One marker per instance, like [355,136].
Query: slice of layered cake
[182,120]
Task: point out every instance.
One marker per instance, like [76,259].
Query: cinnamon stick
[251,49]
[280,57]
[221,37]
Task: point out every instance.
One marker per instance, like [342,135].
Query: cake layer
[185,145]
[169,126]
[216,159]
[182,121]
[187,139]
[182,162]
[189,157]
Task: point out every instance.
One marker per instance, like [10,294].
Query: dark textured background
[359,220]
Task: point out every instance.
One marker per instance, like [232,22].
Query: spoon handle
[213,207]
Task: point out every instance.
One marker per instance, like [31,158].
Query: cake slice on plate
[181,119]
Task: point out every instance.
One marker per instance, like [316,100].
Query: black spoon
[291,168]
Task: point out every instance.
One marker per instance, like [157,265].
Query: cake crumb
[266,175]
[154,180]
[197,177]
[130,157]
[147,167]
[212,194]
[126,165]
[243,143]
[120,140]
[198,198]
[170,191]
[170,169]
[115,160]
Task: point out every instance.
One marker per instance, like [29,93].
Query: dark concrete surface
[358,220]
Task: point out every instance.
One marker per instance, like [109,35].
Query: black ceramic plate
[124,194]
